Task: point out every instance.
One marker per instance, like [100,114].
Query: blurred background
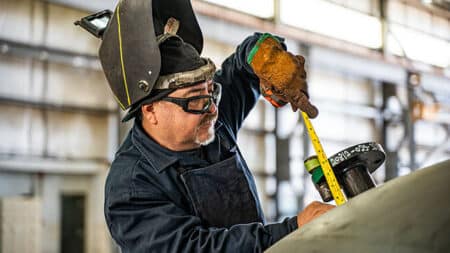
[378,70]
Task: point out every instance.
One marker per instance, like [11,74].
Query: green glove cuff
[257,45]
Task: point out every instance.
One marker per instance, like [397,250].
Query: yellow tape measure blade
[323,160]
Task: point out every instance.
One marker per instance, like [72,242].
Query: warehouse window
[260,8]
[418,35]
[418,46]
[332,20]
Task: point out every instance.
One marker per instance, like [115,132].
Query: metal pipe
[55,107]
[42,53]
[19,157]
[356,180]
[413,81]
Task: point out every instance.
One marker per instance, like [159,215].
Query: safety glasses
[198,104]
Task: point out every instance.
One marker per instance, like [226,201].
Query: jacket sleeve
[146,222]
[240,85]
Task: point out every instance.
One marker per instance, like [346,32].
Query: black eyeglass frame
[184,102]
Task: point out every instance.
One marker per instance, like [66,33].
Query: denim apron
[220,193]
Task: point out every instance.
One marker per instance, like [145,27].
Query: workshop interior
[377,70]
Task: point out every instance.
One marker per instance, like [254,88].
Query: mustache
[209,117]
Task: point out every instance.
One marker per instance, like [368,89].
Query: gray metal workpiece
[406,215]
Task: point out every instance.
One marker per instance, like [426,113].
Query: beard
[210,133]
[209,138]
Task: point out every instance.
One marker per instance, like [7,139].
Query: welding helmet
[149,49]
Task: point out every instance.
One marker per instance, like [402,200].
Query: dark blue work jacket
[203,200]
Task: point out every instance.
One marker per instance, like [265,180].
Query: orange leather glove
[281,74]
[312,211]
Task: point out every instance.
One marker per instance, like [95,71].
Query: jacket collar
[159,157]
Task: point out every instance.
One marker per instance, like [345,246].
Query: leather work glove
[312,211]
[282,75]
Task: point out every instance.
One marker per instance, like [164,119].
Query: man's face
[185,129]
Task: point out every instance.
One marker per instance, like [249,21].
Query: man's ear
[149,114]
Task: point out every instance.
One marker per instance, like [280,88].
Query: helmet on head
[181,66]
[149,49]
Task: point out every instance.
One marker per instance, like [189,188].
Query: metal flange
[370,155]
[354,165]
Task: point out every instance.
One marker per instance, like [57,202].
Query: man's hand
[312,211]
[283,73]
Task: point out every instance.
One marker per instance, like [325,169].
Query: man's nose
[212,108]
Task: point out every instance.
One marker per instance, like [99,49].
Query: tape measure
[325,164]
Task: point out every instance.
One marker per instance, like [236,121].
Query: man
[178,182]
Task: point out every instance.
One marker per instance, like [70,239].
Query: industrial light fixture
[425,111]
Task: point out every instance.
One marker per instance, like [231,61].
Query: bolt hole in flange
[352,166]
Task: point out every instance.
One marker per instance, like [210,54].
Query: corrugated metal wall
[59,124]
